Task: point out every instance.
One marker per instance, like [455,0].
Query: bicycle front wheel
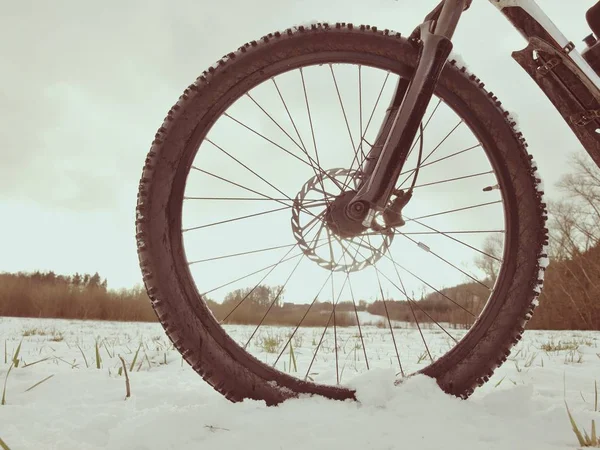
[248,274]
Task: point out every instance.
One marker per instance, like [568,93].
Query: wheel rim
[342,281]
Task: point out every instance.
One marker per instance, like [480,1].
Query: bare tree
[579,214]
[490,262]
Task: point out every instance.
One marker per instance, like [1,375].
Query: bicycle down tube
[558,69]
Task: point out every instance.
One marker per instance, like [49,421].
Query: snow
[458,58]
[171,407]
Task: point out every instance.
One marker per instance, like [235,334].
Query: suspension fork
[407,108]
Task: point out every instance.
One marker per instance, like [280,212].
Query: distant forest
[570,298]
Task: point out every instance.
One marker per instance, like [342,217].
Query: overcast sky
[85,85]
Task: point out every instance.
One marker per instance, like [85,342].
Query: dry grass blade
[135,358]
[3,402]
[15,358]
[4,445]
[39,382]
[293,359]
[127,385]
[83,354]
[98,358]
[107,350]
[575,427]
[38,361]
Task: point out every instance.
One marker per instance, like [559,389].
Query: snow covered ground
[83,407]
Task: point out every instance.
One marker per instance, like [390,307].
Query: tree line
[570,298]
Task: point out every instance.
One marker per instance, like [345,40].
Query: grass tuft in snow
[271,343]
[551,346]
[57,337]
[584,439]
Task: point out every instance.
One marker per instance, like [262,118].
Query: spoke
[330,246]
[266,197]
[308,163]
[316,204]
[434,150]
[444,232]
[301,147]
[342,107]
[423,130]
[344,248]
[388,318]
[454,179]
[272,267]
[274,301]
[305,151]
[249,252]
[441,142]
[454,239]
[429,285]
[362,137]
[432,114]
[435,161]
[312,129]
[428,250]
[416,304]
[368,246]
[454,210]
[362,341]
[257,271]
[360,115]
[334,304]
[262,213]
[245,166]
[412,310]
[239,199]
[337,366]
[289,115]
[275,122]
[314,140]
[256,286]
[302,320]
[319,234]
[313,221]
[354,149]
[267,139]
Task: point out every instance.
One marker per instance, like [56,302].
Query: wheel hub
[338,219]
[328,232]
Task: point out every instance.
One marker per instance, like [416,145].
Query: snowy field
[80,406]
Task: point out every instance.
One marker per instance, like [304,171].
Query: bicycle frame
[558,69]
[549,58]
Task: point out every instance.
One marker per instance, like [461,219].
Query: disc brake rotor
[316,237]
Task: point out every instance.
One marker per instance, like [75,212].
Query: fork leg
[436,46]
